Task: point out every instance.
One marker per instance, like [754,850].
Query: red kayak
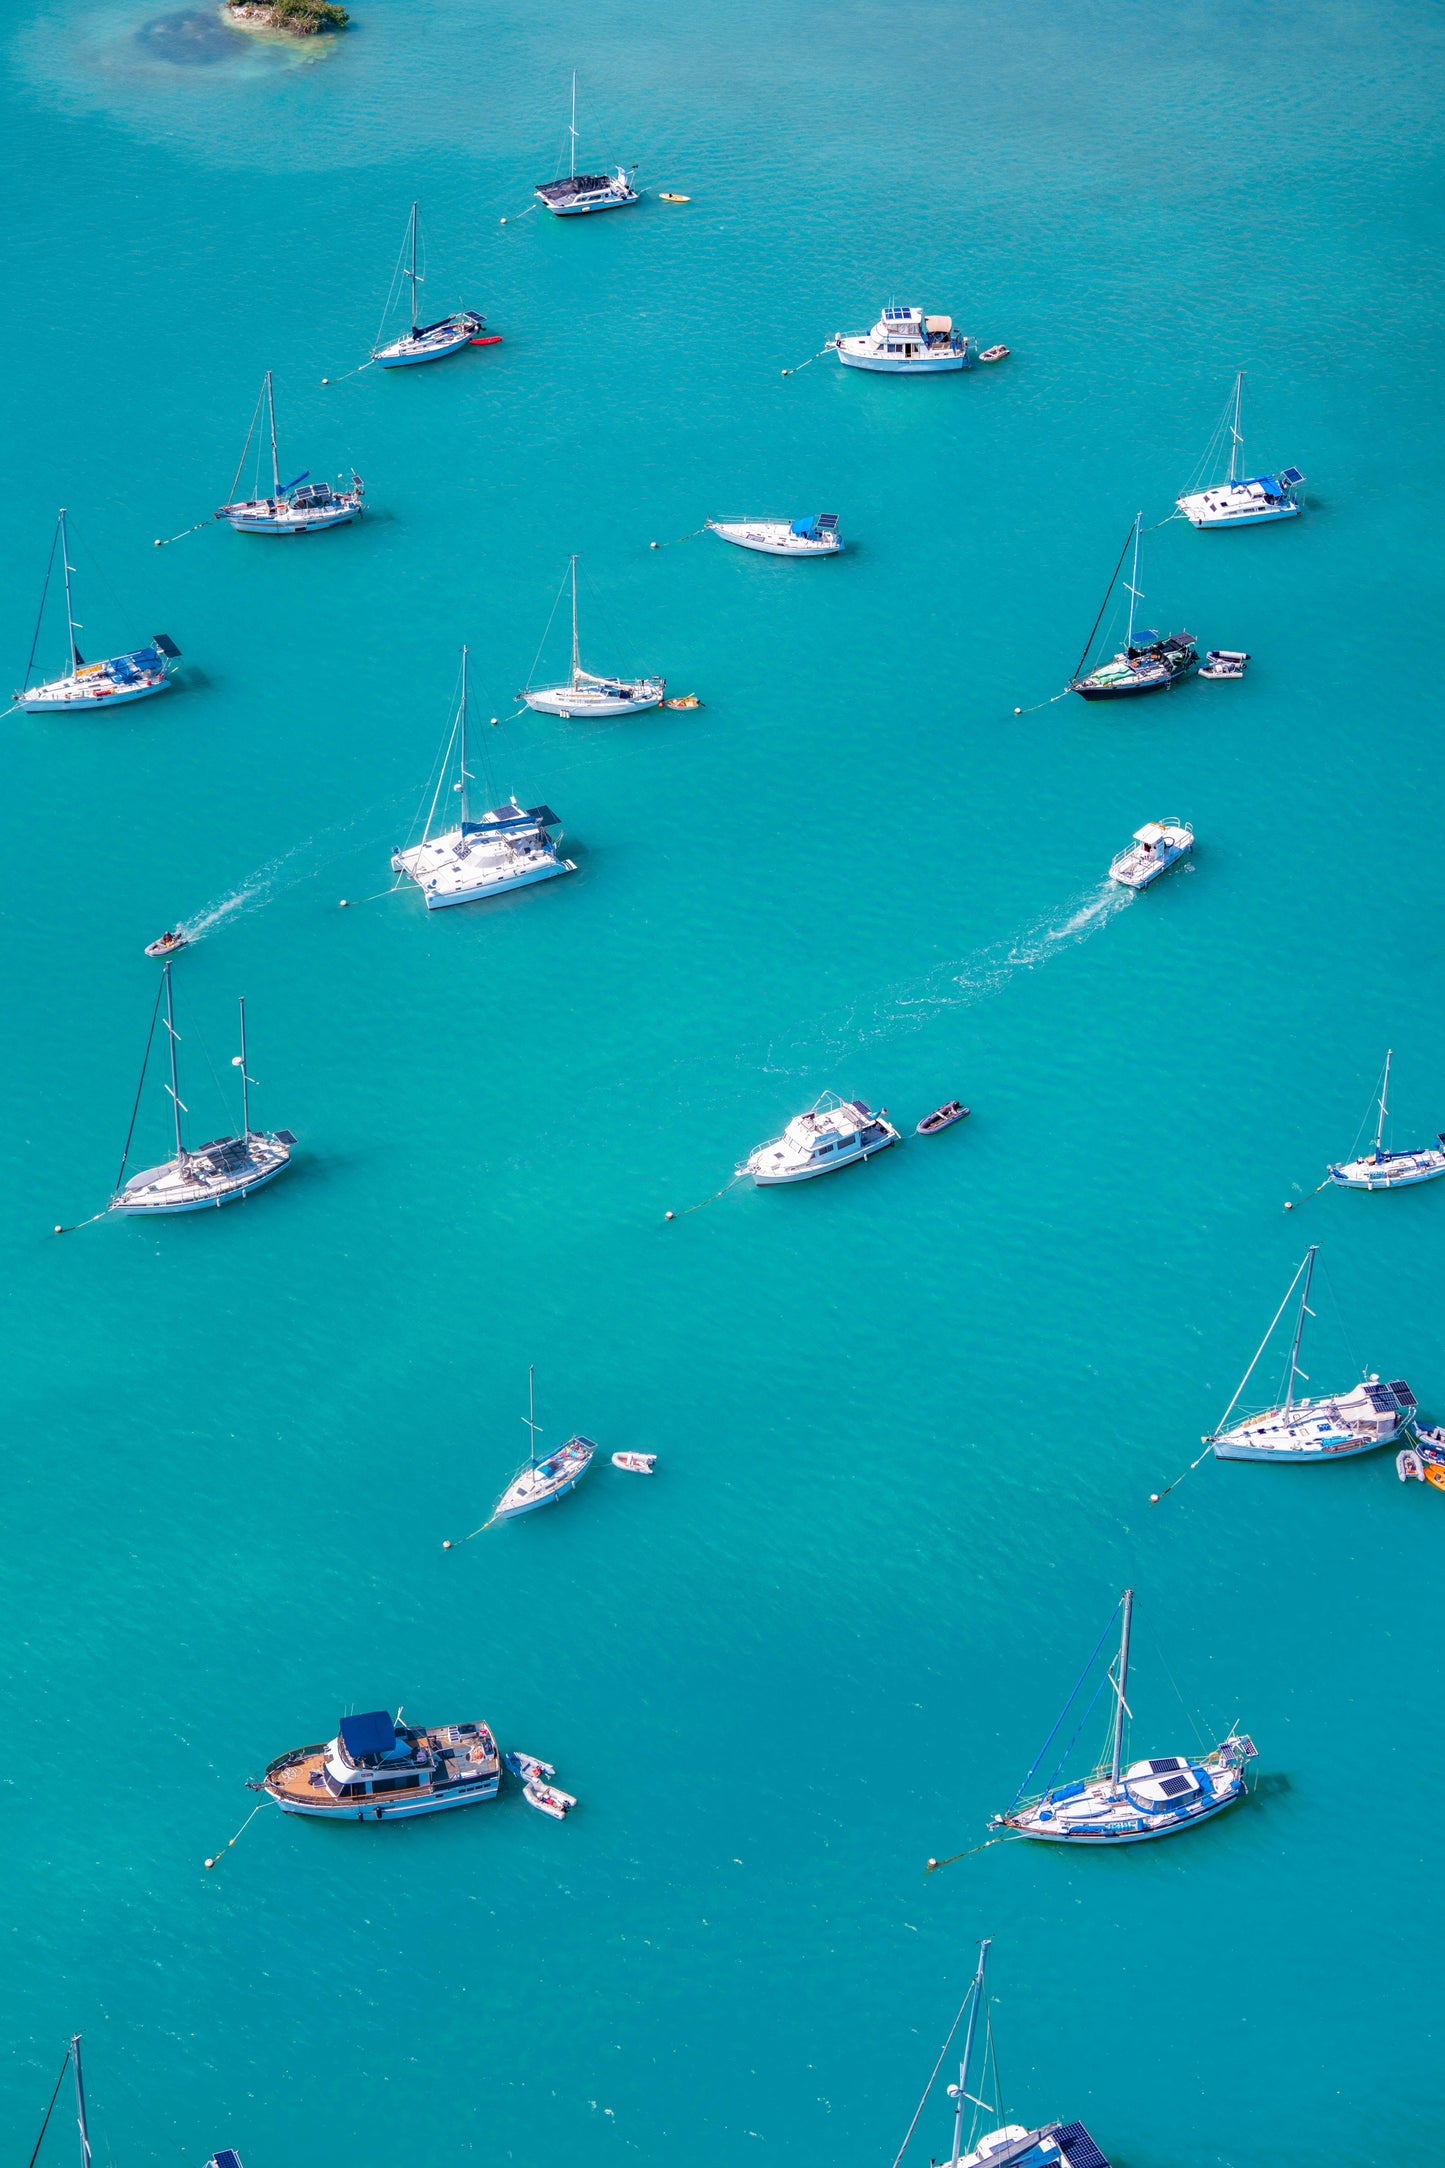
[492,338]
[941,1118]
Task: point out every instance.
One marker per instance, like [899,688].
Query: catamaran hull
[500,888]
[38,702]
[1075,1838]
[143,1207]
[1261,518]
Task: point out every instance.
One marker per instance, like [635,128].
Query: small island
[302,18]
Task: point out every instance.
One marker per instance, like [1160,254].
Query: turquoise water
[908,1423]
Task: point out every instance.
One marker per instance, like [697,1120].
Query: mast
[174,1086]
[961,2092]
[576,658]
[1134,580]
[245,1080]
[80,2102]
[1384,1110]
[463,722]
[412,273]
[1121,1685]
[275,470]
[573,129]
[1236,445]
[531,1412]
[1299,1326]
[69,611]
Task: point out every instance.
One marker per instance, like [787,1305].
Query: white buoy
[1153,1497]
[1018,711]
[1288,1206]
[666,1215]
[158,542]
[59,1230]
[326,380]
[342,905]
[504,222]
[652,545]
[210,1863]
[446,1543]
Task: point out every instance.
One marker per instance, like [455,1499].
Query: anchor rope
[681,537]
[163,541]
[822,350]
[250,1818]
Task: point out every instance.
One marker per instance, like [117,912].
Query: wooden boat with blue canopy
[378,1769]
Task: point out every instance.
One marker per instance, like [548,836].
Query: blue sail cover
[373,1733]
[808,526]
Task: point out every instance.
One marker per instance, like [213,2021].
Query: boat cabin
[831,1132]
[374,1754]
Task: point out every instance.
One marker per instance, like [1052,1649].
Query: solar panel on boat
[1160,1768]
[1173,1786]
[827,521]
[1381,1399]
[1291,475]
[1403,1393]
[1078,2148]
[228,2159]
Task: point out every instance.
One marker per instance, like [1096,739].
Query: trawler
[815,536]
[378,1769]
[1314,1428]
[1129,1805]
[905,342]
[1381,1169]
[90,686]
[1235,502]
[979,2094]
[510,846]
[426,342]
[585,695]
[1156,847]
[221,1172]
[581,192]
[300,506]
[833,1133]
[547,1477]
[1149,664]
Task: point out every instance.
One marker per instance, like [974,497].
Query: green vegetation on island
[304,17]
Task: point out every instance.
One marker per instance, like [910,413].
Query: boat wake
[287,870]
[958,984]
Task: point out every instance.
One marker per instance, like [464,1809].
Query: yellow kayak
[665,196]
[1435,1474]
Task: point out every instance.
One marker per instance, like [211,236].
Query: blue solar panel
[228,2159]
[1403,1393]
[1078,2148]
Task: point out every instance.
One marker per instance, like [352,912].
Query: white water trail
[287,870]
[958,984]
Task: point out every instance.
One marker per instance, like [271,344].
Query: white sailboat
[814,536]
[582,192]
[1313,1428]
[426,342]
[302,506]
[1380,1169]
[585,695]
[1128,1805]
[86,687]
[1235,502]
[220,1172]
[510,846]
[543,1481]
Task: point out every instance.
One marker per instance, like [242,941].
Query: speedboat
[548,1798]
[546,1479]
[581,192]
[221,1172]
[1156,847]
[942,1117]
[1149,664]
[816,536]
[378,1769]
[635,1463]
[90,686]
[1235,502]
[426,342]
[296,507]
[1129,1805]
[167,944]
[585,695]
[1382,1169]
[1318,1427]
[510,846]
[833,1133]
[905,342]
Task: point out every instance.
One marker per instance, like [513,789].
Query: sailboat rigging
[301,506]
[581,192]
[1235,502]
[1150,664]
[585,694]
[426,342]
[1312,1428]
[217,1173]
[87,686]
[1381,1169]
[510,846]
[1116,1804]
[543,1481]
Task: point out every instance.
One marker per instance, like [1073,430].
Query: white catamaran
[1380,1169]
[585,694]
[543,1481]
[1127,1805]
[424,342]
[302,506]
[511,846]
[1236,503]
[216,1173]
[86,687]
[1324,1427]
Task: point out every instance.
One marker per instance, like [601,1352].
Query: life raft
[994,353]
[942,1117]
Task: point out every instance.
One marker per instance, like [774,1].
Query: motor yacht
[833,1133]
[816,536]
[378,1769]
[1156,847]
[905,342]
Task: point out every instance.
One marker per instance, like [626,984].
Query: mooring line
[163,541]
[681,537]
[250,1818]
[822,350]
[1155,1496]
[934,1864]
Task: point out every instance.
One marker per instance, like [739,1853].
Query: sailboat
[1011,2145]
[586,191]
[1128,1805]
[426,342]
[542,1482]
[1236,503]
[216,1173]
[586,694]
[1149,665]
[1390,1170]
[1324,1427]
[90,685]
[302,506]
[509,847]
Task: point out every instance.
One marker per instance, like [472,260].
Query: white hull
[165,1189]
[65,695]
[774,538]
[536,1487]
[1227,507]
[1391,1170]
[438,902]
[1134,1836]
[268,522]
[575,703]
[777,1179]
[1156,847]
[450,870]
[393,1810]
[403,354]
[858,354]
[1321,1428]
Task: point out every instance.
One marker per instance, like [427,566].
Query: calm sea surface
[908,1422]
